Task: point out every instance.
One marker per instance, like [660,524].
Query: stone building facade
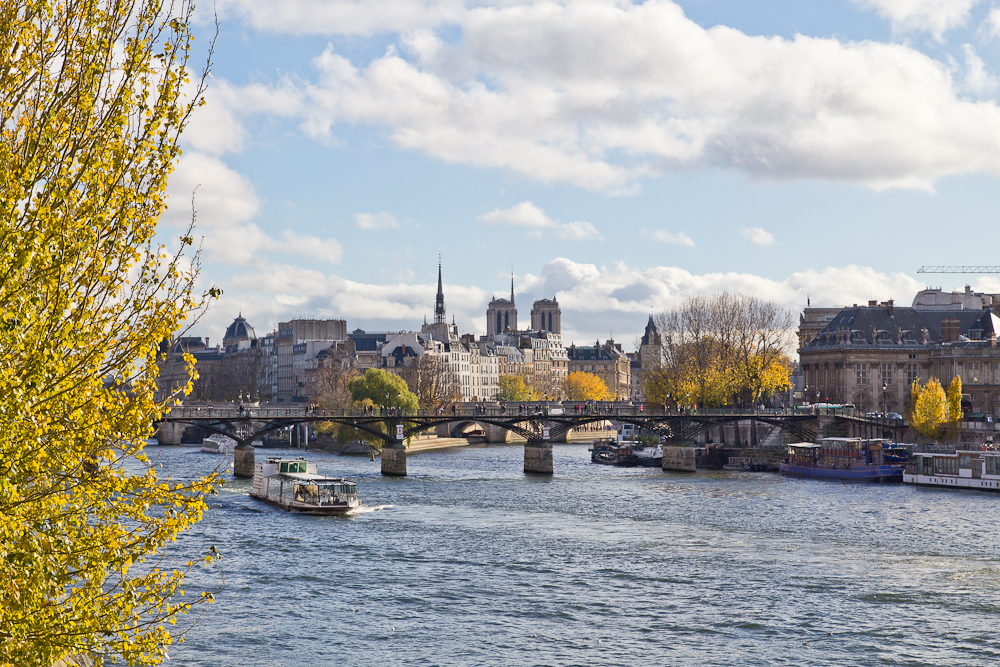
[606,361]
[870,356]
[293,333]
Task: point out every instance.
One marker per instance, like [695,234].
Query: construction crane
[959,269]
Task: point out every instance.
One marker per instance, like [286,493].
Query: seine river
[470,562]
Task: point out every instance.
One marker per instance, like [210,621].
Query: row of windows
[861,373]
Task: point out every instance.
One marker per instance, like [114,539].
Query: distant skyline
[621,156]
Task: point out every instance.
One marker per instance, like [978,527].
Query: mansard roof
[871,325]
[592,353]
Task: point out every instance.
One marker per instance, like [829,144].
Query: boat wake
[365,509]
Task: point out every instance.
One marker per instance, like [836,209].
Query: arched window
[506,320]
[499,328]
[550,322]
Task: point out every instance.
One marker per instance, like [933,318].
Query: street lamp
[885,398]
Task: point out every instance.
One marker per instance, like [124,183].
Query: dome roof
[240,329]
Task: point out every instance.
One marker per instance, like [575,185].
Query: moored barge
[963,467]
[853,459]
[294,485]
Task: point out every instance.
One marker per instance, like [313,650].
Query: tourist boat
[963,467]
[218,444]
[293,484]
[842,458]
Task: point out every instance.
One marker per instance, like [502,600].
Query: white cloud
[274,292]
[374,221]
[933,16]
[526,214]
[217,128]
[226,205]
[593,298]
[308,245]
[222,196]
[664,236]
[599,94]
[977,79]
[338,17]
[992,23]
[757,236]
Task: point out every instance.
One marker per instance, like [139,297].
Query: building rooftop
[885,324]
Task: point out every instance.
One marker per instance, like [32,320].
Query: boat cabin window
[945,465]
[323,494]
[307,493]
[992,465]
[965,461]
[927,465]
[293,466]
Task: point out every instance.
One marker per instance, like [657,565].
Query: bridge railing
[497,410]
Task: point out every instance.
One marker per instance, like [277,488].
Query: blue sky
[621,156]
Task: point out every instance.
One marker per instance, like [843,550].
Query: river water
[468,561]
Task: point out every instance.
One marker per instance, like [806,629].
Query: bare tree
[721,349]
[328,381]
[429,377]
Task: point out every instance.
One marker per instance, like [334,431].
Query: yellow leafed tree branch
[90,113]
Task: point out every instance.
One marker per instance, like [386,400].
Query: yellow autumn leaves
[721,350]
[582,386]
[931,409]
[90,112]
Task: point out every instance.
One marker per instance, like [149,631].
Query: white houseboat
[964,467]
[293,484]
[218,444]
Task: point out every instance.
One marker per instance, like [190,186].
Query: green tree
[581,386]
[929,409]
[513,388]
[91,108]
[382,388]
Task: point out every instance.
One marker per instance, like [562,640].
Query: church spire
[512,285]
[439,311]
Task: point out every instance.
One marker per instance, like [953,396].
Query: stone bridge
[539,425]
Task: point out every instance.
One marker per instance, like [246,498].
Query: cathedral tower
[501,314]
[546,316]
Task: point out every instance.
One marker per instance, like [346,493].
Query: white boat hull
[952,482]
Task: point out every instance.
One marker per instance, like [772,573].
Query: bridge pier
[679,459]
[243,463]
[538,457]
[394,460]
[496,433]
[169,433]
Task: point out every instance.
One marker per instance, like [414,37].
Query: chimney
[872,303]
[892,311]
[206,342]
[949,331]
